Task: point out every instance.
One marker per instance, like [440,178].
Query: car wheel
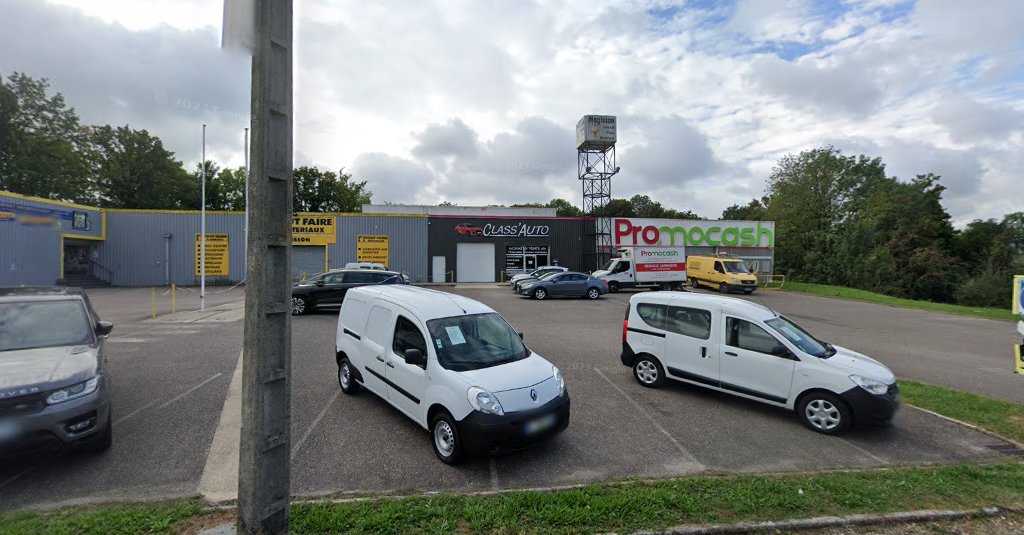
[724,288]
[540,294]
[446,440]
[665,287]
[100,442]
[694,284]
[648,371]
[299,306]
[346,379]
[593,293]
[825,413]
[613,287]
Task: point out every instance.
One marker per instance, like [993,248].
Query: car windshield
[28,325]
[475,341]
[801,338]
[735,266]
[547,276]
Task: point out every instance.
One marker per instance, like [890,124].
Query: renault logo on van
[533,394]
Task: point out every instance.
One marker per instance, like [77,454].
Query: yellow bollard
[154,302]
[174,299]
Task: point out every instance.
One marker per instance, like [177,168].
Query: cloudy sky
[476,101]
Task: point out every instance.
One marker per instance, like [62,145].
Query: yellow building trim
[327,265]
[146,211]
[361,214]
[47,201]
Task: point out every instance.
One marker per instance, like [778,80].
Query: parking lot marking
[876,458]
[494,474]
[219,481]
[305,436]
[686,453]
[190,390]
[16,477]
[136,411]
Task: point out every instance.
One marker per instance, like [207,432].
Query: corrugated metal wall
[407,242]
[136,243]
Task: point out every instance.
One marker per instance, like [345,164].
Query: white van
[451,364]
[748,350]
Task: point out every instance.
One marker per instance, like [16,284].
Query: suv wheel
[825,413]
[346,380]
[593,293]
[540,294]
[648,371]
[299,306]
[446,440]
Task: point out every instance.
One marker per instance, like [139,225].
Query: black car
[328,289]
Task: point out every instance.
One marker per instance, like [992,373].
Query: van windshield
[475,341]
[801,338]
[735,266]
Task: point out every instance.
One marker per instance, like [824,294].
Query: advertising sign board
[313,230]
[673,232]
[659,263]
[372,248]
[596,132]
[216,255]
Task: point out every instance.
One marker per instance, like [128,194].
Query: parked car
[748,350]
[328,289]
[365,265]
[725,273]
[518,285]
[535,274]
[54,388]
[567,284]
[453,365]
[467,229]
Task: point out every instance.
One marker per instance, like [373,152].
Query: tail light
[625,328]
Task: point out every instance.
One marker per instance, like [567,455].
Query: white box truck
[661,268]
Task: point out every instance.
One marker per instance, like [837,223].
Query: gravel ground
[1004,524]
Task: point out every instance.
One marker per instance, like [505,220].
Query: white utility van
[662,268]
[743,348]
[453,365]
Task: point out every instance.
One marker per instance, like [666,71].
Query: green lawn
[871,297]
[1001,417]
[621,507]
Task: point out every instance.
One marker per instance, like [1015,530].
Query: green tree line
[46,152]
[840,220]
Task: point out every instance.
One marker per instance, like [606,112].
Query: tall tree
[43,145]
[132,169]
[564,208]
[226,190]
[755,210]
[327,191]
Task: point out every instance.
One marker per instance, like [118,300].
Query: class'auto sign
[672,232]
[313,230]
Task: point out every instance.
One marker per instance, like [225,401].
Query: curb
[981,430]
[926,515]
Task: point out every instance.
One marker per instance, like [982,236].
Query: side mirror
[103,328]
[520,333]
[782,351]
[415,357]
[319,283]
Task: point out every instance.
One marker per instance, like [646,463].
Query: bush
[989,289]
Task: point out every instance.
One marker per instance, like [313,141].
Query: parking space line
[136,411]
[862,450]
[305,436]
[686,453]
[494,474]
[190,390]
[16,477]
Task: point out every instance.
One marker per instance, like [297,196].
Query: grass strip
[111,519]
[872,297]
[1002,417]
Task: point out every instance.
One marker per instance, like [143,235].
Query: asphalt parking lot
[171,382]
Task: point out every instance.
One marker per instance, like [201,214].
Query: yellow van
[727,273]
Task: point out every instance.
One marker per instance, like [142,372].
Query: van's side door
[692,353]
[754,362]
[407,383]
[376,344]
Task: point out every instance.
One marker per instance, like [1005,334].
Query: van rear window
[653,315]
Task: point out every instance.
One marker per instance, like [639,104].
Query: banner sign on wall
[672,232]
[34,215]
[1018,294]
[372,248]
[216,255]
[313,230]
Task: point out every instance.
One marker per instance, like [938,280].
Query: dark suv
[54,389]
[328,289]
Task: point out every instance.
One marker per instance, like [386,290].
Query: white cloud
[475,102]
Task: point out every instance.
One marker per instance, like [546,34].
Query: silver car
[54,389]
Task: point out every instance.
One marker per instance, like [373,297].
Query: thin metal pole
[245,232]
[202,232]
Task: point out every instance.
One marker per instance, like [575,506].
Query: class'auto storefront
[491,249]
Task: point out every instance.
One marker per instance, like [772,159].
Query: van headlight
[484,401]
[734,280]
[74,391]
[559,380]
[871,385]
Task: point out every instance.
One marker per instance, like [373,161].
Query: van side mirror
[104,328]
[415,357]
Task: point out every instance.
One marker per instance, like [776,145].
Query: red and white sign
[661,266]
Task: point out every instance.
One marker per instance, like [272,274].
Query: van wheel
[540,294]
[299,306]
[825,413]
[665,287]
[593,293]
[724,288]
[613,287]
[648,371]
[446,440]
[346,379]
[694,284]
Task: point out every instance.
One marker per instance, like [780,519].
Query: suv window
[360,277]
[745,335]
[332,278]
[382,277]
[653,315]
[692,322]
[408,336]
